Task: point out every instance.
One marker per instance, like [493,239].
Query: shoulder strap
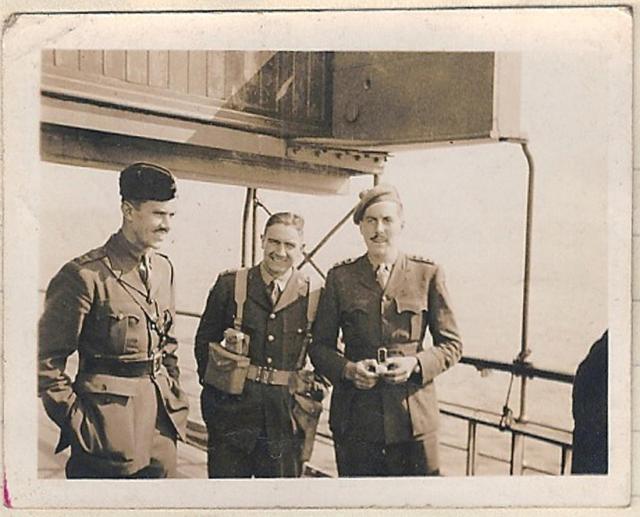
[312,306]
[240,296]
[313,296]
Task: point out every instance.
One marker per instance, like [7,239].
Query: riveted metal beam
[366,162]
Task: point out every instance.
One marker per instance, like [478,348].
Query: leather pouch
[226,371]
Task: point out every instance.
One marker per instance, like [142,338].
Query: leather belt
[266,375]
[120,368]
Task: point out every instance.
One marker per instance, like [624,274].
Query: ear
[127,209]
[262,240]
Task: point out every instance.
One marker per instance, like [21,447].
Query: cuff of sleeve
[429,365]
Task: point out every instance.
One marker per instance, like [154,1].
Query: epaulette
[418,258]
[344,262]
[91,256]
[229,271]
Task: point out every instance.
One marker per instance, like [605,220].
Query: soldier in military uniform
[255,433]
[384,415]
[115,307]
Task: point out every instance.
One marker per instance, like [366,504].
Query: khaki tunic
[415,298]
[96,305]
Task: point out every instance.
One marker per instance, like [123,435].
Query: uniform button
[269,360]
[299,331]
[270,338]
[272,316]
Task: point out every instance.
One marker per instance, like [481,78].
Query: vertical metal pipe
[471,448]
[516,462]
[254,226]
[524,335]
[245,227]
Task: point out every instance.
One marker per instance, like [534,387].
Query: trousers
[358,458]
[225,460]
[161,465]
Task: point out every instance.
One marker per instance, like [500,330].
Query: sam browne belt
[119,368]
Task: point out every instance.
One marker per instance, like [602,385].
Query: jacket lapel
[366,276]
[295,288]
[397,277]
[256,290]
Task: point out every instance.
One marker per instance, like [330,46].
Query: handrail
[519,429]
[518,368]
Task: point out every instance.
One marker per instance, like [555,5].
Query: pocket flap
[412,304]
[307,405]
[103,383]
[225,360]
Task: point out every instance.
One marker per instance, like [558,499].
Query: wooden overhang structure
[293,121]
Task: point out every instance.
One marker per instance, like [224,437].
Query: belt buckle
[265,375]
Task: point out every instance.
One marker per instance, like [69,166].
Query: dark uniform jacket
[277,336]
[97,305]
[415,298]
[590,411]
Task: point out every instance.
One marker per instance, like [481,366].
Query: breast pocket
[126,329]
[411,311]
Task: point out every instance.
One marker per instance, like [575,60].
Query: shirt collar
[280,281]
[375,265]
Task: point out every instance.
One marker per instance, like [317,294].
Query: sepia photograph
[382,250]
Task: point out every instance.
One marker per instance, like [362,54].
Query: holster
[226,370]
[307,394]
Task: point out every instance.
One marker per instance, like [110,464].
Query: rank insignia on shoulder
[419,258]
[91,256]
[344,262]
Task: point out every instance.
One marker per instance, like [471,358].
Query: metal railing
[475,418]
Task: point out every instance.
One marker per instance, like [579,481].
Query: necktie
[144,270]
[382,275]
[274,292]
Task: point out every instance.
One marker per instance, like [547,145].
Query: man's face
[149,222]
[282,246]
[380,226]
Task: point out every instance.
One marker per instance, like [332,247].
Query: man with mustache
[115,306]
[384,411]
[255,433]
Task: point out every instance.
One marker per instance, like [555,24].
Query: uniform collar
[280,281]
[123,259]
[125,250]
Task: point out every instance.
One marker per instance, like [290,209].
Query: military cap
[147,182]
[377,194]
